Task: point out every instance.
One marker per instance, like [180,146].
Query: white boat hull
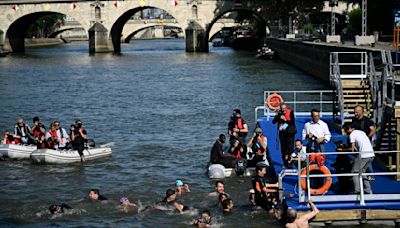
[51,156]
[16,151]
[217,171]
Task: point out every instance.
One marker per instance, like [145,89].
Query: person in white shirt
[62,135]
[316,130]
[361,143]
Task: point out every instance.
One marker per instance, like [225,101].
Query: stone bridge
[133,26]
[105,20]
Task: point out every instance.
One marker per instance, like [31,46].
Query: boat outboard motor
[216,171]
[90,143]
[240,166]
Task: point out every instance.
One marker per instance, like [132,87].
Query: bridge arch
[17,29]
[221,14]
[133,33]
[118,25]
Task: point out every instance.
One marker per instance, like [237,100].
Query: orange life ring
[273,101]
[327,183]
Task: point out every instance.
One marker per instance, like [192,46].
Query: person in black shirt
[94,194]
[363,123]
[287,130]
[78,138]
[264,192]
[238,127]
[217,155]
[58,209]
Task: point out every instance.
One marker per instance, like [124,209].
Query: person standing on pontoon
[287,130]
[361,143]
[316,132]
[365,124]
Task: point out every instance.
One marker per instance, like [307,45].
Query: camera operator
[78,138]
[317,132]
[287,130]
[259,145]
[37,128]
[237,127]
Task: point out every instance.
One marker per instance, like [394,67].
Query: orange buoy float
[273,101]
[327,184]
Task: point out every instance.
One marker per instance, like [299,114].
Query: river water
[162,107]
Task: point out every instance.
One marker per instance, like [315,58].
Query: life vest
[259,145]
[36,132]
[53,136]
[19,131]
[287,116]
[239,124]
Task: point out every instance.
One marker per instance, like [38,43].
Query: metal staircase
[385,101]
[349,77]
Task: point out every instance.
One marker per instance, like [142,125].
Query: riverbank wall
[310,57]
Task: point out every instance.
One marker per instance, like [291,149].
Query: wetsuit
[259,195]
[170,204]
[101,197]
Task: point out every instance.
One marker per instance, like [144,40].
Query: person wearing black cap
[170,201]
[78,138]
[237,127]
[37,128]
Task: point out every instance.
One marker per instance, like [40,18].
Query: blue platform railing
[362,198]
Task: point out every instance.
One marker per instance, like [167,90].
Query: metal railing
[336,81]
[359,70]
[296,100]
[326,198]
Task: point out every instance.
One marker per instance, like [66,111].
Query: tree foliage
[45,26]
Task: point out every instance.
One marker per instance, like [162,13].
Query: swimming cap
[178,183]
[122,199]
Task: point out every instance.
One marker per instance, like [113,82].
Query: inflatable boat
[51,156]
[14,151]
[218,171]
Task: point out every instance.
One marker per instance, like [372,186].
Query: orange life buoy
[273,101]
[328,179]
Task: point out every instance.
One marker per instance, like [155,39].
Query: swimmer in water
[300,221]
[205,220]
[181,187]
[219,188]
[58,209]
[94,195]
[227,206]
[170,201]
[125,203]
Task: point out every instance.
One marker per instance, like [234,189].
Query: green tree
[355,21]
[46,25]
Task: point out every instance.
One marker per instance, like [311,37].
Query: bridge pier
[99,39]
[196,40]
[2,40]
